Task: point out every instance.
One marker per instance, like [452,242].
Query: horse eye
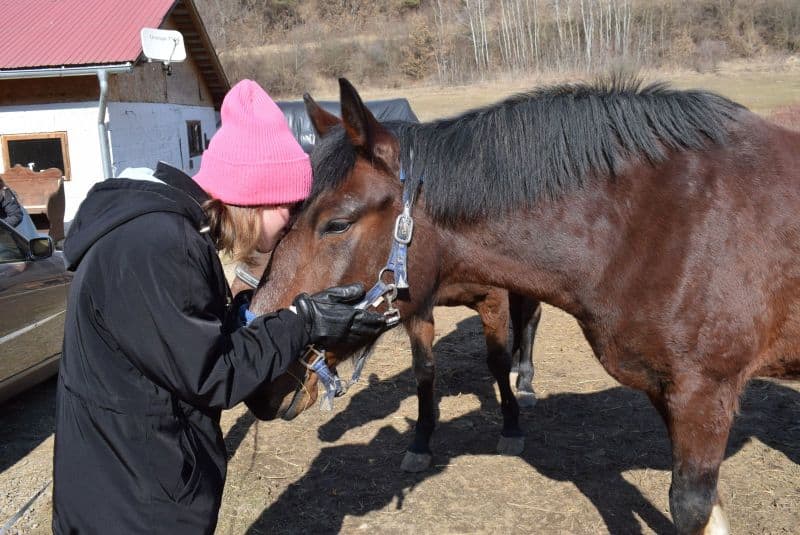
[337,226]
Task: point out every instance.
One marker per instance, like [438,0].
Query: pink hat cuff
[256,184]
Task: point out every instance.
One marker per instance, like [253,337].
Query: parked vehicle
[33,295]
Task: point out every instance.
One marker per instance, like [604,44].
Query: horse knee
[424,372]
[691,500]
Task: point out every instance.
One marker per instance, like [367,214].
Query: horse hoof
[510,445]
[526,400]
[717,523]
[416,462]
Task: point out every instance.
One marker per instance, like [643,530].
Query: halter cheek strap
[397,264]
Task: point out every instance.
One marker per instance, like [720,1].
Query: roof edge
[62,71]
[209,49]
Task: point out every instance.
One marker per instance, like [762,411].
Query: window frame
[189,126]
[62,135]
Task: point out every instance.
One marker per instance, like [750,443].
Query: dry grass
[760,87]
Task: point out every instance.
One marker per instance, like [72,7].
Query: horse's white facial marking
[717,522]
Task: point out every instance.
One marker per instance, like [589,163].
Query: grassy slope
[761,88]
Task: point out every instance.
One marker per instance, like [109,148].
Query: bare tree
[588,31]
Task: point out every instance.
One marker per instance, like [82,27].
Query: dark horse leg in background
[493,307]
[497,309]
[525,316]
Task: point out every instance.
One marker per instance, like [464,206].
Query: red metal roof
[52,33]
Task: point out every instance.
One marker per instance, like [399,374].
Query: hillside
[295,45]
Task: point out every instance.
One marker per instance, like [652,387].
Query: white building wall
[79,121]
[142,134]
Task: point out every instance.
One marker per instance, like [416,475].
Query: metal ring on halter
[390,287]
[311,350]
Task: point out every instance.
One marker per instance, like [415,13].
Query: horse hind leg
[493,311]
[418,456]
[525,316]
[699,417]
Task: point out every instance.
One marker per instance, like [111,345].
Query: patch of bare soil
[596,459]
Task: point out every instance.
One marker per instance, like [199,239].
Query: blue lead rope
[330,381]
[245,315]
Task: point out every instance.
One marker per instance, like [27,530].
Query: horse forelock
[538,144]
[332,160]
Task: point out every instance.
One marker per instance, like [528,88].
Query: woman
[10,210]
[149,361]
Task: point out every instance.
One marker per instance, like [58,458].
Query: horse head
[344,232]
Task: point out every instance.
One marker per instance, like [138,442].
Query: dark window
[195,133]
[44,151]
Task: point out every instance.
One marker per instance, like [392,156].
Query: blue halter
[397,264]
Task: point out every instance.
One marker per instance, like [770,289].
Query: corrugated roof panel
[51,33]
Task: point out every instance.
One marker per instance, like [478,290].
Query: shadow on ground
[26,421]
[587,439]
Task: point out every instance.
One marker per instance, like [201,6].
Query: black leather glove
[333,322]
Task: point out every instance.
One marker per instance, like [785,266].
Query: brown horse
[496,309]
[665,221]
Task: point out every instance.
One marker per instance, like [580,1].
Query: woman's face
[273,220]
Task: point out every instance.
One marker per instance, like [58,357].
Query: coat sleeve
[11,208]
[164,316]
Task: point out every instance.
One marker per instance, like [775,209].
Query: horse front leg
[421,332]
[699,412]
[493,311]
[525,316]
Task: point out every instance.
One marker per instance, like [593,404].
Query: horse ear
[321,120]
[364,131]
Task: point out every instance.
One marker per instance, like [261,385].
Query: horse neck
[553,252]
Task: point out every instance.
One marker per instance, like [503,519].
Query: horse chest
[630,364]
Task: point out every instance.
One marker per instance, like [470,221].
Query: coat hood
[116,201]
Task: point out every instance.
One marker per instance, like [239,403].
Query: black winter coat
[10,210]
[147,367]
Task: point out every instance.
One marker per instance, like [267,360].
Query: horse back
[707,266]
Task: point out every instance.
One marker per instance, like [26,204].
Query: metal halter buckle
[403,228]
[392,314]
[311,357]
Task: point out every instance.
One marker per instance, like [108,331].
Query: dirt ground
[596,457]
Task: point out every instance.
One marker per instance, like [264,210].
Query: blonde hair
[236,230]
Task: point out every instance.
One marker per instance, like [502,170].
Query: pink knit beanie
[253,158]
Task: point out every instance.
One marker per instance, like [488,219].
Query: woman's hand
[332,321]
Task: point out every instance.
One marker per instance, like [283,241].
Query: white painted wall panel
[79,121]
[142,134]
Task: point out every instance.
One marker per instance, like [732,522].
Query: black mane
[538,144]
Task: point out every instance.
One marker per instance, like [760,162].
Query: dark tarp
[396,109]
